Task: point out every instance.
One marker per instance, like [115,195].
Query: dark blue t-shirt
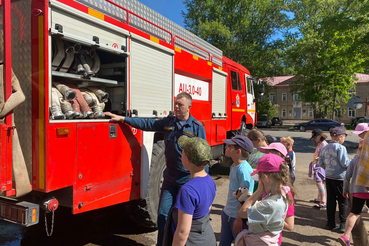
[196,196]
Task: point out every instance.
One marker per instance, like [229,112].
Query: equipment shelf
[83,79]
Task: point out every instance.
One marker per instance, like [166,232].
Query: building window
[351,92]
[284,112]
[310,113]
[284,97]
[296,97]
[272,97]
[337,112]
[351,113]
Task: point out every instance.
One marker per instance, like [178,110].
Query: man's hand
[345,194]
[237,225]
[114,117]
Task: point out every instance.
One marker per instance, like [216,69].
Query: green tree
[244,30]
[328,52]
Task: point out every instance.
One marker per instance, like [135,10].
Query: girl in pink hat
[361,130]
[266,217]
[280,150]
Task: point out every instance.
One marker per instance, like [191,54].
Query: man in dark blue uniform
[175,175]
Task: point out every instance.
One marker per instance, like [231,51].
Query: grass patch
[349,127]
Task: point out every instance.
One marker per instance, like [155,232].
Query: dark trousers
[334,193]
[168,195]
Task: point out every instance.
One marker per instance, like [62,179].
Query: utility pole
[366,106]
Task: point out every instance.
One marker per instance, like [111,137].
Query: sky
[168,8]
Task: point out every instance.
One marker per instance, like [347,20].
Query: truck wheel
[144,212]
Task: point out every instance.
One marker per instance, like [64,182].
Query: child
[359,196]
[258,139]
[238,148]
[189,217]
[280,150]
[288,141]
[334,160]
[275,148]
[319,138]
[266,217]
[361,130]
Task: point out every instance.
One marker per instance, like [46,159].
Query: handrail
[192,45]
[130,12]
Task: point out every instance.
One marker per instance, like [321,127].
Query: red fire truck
[62,63]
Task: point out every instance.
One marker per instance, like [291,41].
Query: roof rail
[208,58]
[128,20]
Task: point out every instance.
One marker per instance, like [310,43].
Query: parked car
[323,124]
[263,121]
[277,121]
[361,120]
[357,120]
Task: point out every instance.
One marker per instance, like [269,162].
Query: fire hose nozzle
[80,69]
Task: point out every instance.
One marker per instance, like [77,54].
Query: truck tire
[144,212]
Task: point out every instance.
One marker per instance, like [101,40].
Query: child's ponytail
[286,180]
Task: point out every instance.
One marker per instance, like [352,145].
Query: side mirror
[261,89]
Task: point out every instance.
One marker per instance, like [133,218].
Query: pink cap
[276,146]
[360,128]
[269,163]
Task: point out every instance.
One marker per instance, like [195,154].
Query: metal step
[154,17]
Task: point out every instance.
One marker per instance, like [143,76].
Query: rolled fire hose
[95,104]
[85,109]
[56,111]
[76,109]
[89,99]
[58,46]
[66,91]
[69,58]
[101,95]
[102,105]
[20,172]
[65,106]
[96,67]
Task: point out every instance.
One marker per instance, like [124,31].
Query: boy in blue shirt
[239,149]
[189,219]
[334,160]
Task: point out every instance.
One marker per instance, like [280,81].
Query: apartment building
[290,107]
